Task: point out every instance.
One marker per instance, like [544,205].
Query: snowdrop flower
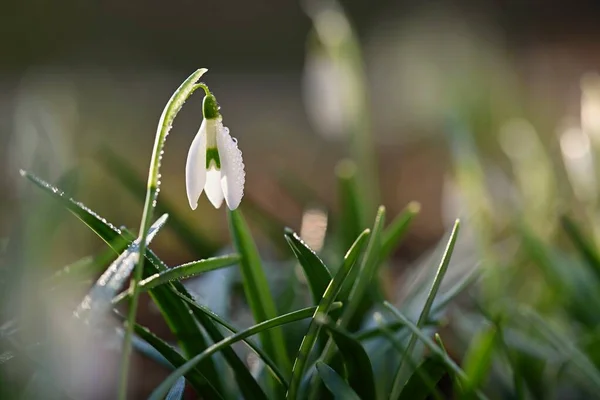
[214,162]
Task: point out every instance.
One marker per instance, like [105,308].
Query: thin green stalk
[164,126]
[437,281]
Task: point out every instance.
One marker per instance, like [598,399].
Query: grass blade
[335,383]
[367,272]
[317,274]
[257,289]
[176,392]
[323,309]
[97,303]
[183,271]
[357,362]
[162,389]
[397,229]
[437,281]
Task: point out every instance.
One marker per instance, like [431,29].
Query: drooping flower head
[214,162]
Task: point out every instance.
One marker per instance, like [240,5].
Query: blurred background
[77,77]
[487,110]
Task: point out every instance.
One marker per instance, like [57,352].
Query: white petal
[213,187]
[233,176]
[195,167]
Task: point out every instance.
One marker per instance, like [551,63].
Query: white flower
[214,162]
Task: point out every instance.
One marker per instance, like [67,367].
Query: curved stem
[164,126]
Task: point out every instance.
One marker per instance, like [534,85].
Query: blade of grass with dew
[323,308]
[394,233]
[183,271]
[435,349]
[356,362]
[585,248]
[437,281]
[256,288]
[176,314]
[161,390]
[97,303]
[122,170]
[335,383]
[317,274]
[176,391]
[164,126]
[478,359]
[353,293]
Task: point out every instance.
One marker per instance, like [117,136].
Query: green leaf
[335,383]
[317,274]
[397,229]
[357,362]
[323,309]
[478,359]
[176,314]
[427,375]
[183,271]
[97,303]
[176,392]
[122,170]
[162,389]
[257,289]
[437,281]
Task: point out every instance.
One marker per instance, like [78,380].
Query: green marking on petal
[212,157]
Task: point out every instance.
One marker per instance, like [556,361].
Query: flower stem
[164,126]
